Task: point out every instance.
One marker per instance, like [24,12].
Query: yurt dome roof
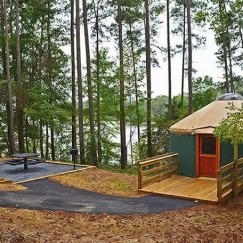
[206,119]
[230,96]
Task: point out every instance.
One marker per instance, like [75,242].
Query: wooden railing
[157,168]
[230,180]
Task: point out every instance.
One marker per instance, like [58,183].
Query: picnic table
[25,159]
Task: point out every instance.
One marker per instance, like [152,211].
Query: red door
[208,161]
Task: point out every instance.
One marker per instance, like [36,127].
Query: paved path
[49,195]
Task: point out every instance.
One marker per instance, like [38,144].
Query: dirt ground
[203,223]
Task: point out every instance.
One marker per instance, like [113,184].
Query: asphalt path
[18,174]
[45,194]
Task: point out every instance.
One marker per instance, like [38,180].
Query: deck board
[185,187]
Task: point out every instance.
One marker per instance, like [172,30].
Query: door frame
[198,137]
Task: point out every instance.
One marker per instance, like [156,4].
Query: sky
[204,61]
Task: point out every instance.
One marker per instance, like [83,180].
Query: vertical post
[74,153]
[235,179]
[139,176]
[74,161]
[235,152]
[219,185]
[177,163]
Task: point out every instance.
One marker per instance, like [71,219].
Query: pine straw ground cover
[203,223]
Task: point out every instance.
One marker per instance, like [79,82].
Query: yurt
[200,153]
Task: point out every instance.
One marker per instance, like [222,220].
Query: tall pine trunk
[183,55]
[169,60]
[41,138]
[80,85]
[225,53]
[93,150]
[148,71]
[20,93]
[10,112]
[47,141]
[50,79]
[136,88]
[122,93]
[228,46]
[98,114]
[189,32]
[74,114]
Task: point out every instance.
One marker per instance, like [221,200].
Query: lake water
[131,140]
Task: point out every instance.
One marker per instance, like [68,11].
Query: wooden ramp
[201,189]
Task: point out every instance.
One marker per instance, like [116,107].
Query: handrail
[230,180]
[157,168]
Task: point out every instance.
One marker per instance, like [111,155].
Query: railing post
[219,185]
[139,176]
[235,179]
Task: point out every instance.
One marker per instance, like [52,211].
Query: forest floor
[202,223]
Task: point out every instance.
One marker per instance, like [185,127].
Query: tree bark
[224,46]
[10,111]
[183,55]
[136,88]
[190,106]
[148,71]
[80,85]
[93,150]
[74,113]
[169,61]
[122,93]
[97,50]
[19,94]
[50,79]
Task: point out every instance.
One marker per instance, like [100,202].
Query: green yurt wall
[185,146]
[227,153]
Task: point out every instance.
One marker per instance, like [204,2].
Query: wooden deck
[201,189]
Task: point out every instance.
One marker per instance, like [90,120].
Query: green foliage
[179,112]
[204,92]
[160,139]
[231,128]
[159,105]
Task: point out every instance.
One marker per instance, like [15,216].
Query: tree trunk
[53,150]
[231,81]
[169,61]
[74,113]
[183,55]
[93,150]
[41,139]
[97,49]
[136,87]
[19,94]
[148,71]
[10,111]
[224,46]
[50,79]
[122,94]
[189,32]
[80,86]
[47,141]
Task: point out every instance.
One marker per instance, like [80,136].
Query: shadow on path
[49,195]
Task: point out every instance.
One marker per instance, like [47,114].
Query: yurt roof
[207,118]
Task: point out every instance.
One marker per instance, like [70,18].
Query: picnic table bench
[25,159]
